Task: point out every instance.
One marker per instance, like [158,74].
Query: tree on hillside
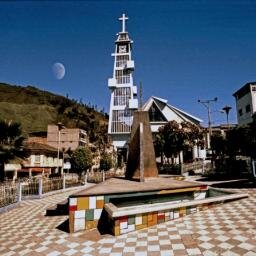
[11,143]
[81,159]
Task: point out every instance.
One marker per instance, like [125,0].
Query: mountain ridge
[34,109]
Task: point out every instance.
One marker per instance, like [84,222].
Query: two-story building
[41,159]
[66,138]
[245,103]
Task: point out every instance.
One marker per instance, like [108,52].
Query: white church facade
[160,112]
[124,100]
[123,92]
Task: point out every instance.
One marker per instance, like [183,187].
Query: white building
[245,103]
[124,98]
[123,92]
[160,112]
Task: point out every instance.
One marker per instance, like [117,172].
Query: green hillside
[35,109]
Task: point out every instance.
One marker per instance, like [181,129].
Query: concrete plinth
[141,158]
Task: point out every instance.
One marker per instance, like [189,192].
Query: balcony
[129,65]
[134,90]
[133,104]
[111,82]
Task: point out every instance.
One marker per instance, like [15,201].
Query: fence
[12,192]
[200,166]
[99,176]
[8,194]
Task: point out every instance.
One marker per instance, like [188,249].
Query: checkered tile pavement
[228,230]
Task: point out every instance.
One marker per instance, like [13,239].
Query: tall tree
[194,134]
[159,145]
[81,160]
[106,162]
[218,145]
[11,143]
[173,137]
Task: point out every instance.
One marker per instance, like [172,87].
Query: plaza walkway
[228,229]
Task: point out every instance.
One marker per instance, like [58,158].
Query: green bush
[81,159]
[106,162]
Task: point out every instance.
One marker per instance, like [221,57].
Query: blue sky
[183,50]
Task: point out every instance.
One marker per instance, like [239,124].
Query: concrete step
[58,209]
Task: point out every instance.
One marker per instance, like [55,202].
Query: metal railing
[8,193]
[29,187]
[196,165]
[12,192]
[53,184]
[99,176]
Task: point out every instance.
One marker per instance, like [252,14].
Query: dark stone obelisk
[141,155]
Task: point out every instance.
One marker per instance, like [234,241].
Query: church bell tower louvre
[123,100]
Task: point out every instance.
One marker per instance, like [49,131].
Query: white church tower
[123,92]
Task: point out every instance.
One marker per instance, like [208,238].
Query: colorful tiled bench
[85,212]
[86,207]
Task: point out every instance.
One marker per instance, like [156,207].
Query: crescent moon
[58,70]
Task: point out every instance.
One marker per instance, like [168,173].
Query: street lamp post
[227,109]
[207,103]
[60,127]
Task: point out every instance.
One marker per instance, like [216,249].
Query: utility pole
[140,100]
[60,127]
[207,104]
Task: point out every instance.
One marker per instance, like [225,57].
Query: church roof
[170,112]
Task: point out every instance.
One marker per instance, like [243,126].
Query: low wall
[85,212]
[125,224]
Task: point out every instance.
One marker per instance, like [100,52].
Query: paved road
[228,230]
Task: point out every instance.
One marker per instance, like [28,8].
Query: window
[248,108]
[121,60]
[121,121]
[123,37]
[122,77]
[122,96]
[155,114]
[240,112]
[37,159]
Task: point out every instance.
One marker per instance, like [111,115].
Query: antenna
[140,99]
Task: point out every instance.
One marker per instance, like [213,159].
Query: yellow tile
[71,222]
[150,217]
[155,216]
[183,210]
[180,190]
[90,224]
[99,204]
[117,222]
[117,230]
[141,226]
[82,203]
[144,219]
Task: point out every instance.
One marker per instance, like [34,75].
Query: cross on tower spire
[123,19]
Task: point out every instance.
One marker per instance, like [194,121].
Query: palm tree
[11,143]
